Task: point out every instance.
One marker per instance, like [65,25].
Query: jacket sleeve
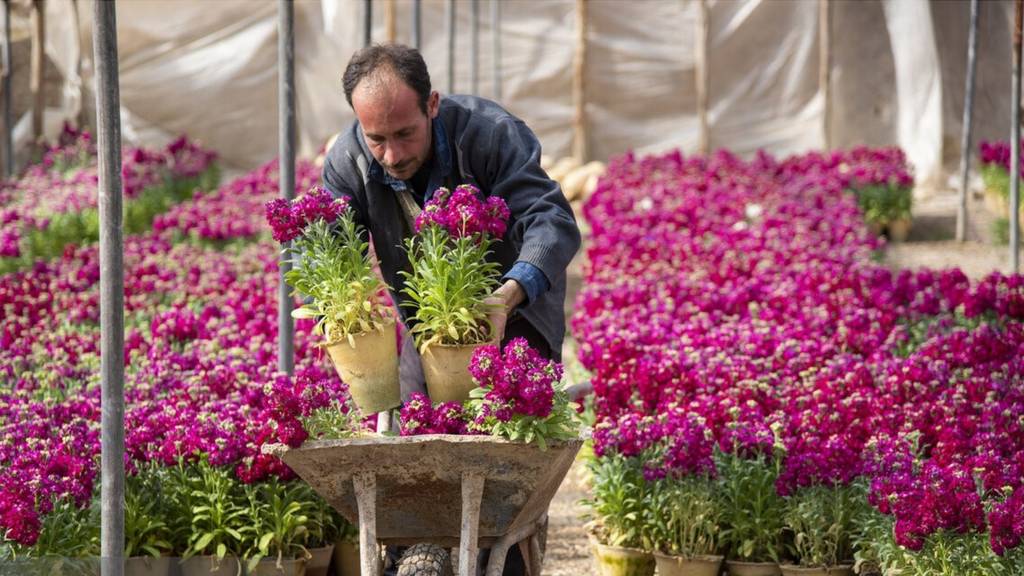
[541,218]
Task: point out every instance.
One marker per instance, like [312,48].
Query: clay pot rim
[827,569]
[390,324]
[593,540]
[458,346]
[746,562]
[709,557]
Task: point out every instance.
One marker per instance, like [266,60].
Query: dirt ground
[931,244]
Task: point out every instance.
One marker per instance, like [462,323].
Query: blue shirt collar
[441,162]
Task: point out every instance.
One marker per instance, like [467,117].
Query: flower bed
[54,203]
[742,299]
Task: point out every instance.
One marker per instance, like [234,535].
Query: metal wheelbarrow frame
[467,491]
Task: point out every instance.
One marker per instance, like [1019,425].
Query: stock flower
[288,219]
[462,213]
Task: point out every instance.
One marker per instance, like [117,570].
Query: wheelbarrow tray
[419,482]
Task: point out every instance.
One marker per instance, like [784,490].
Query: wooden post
[450,19]
[8,129]
[286,159]
[1015,143]
[474,52]
[367,22]
[364,484]
[496,46]
[965,142]
[38,69]
[825,67]
[579,121]
[108,115]
[701,68]
[417,12]
[389,21]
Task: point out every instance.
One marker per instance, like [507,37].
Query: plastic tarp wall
[209,69]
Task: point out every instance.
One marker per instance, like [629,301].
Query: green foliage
[331,265]
[821,522]
[277,520]
[618,507]
[882,204]
[218,512]
[146,529]
[560,425]
[752,511]
[449,282]
[333,422]
[684,516]
[997,180]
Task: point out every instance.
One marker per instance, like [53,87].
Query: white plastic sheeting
[208,69]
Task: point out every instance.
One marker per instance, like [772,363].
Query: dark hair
[406,63]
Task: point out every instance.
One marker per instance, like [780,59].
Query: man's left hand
[502,302]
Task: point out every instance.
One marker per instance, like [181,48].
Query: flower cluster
[995,154]
[517,380]
[462,213]
[418,416]
[288,219]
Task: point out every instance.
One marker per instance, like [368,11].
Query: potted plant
[752,514]
[214,502]
[147,533]
[887,206]
[325,528]
[684,525]
[276,512]
[619,538]
[820,522]
[67,543]
[449,282]
[345,561]
[330,265]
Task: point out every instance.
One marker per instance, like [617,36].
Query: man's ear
[433,104]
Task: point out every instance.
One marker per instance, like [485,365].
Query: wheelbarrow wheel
[425,560]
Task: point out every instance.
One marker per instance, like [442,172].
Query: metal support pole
[965,143]
[1015,143]
[390,26]
[474,58]
[825,67]
[38,70]
[496,46]
[108,116]
[8,129]
[286,151]
[367,22]
[449,8]
[417,17]
[703,138]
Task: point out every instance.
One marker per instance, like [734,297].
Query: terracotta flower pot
[346,558]
[899,230]
[210,566]
[286,567]
[737,568]
[997,203]
[147,566]
[370,368]
[842,570]
[319,560]
[687,566]
[616,561]
[446,370]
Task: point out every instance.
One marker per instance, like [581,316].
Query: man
[407,142]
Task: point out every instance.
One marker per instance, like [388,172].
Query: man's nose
[392,155]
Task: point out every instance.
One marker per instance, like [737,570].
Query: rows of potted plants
[995,173]
[737,326]
[54,203]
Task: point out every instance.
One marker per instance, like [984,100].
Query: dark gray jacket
[497,153]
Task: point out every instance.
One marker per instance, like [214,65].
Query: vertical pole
[965,143]
[496,46]
[825,67]
[108,106]
[389,21]
[364,484]
[367,22]
[579,122]
[1015,144]
[474,53]
[8,129]
[449,8]
[77,39]
[38,64]
[417,14]
[286,151]
[704,139]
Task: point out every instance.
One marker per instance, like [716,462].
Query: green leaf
[203,542]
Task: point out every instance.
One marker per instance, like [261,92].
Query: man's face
[396,130]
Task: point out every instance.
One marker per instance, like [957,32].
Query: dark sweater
[497,153]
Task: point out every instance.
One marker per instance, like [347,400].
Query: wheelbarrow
[469,492]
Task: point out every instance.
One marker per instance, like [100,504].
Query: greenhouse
[511,287]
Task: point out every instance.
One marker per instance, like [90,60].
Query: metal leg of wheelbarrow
[365,486]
